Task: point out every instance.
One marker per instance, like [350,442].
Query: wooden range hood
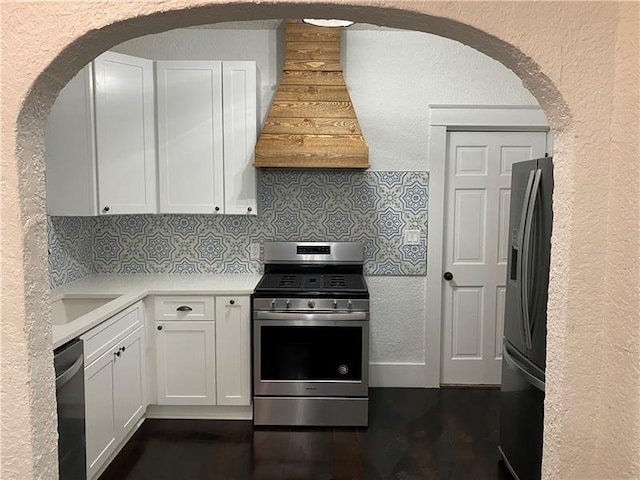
[312,123]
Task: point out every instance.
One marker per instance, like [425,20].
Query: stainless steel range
[311,336]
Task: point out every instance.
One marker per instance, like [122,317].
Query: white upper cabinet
[125,134]
[239,105]
[101,138]
[70,149]
[190,145]
[206,136]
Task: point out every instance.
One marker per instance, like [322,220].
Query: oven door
[311,354]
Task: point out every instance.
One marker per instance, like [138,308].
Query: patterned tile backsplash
[372,207]
[69,249]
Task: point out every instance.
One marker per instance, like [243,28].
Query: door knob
[448,276]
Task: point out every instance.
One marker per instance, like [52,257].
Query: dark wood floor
[447,434]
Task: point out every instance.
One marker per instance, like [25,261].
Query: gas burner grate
[288,281]
[336,281]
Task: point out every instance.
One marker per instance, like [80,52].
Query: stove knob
[288,304]
[335,304]
[311,304]
[349,304]
[273,304]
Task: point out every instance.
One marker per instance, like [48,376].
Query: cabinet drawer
[101,338]
[184,308]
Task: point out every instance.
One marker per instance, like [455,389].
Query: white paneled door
[475,252]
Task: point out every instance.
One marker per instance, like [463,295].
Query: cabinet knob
[106,209]
[117,354]
[448,276]
[159,327]
[123,348]
[232,302]
[184,308]
[217,209]
[249,209]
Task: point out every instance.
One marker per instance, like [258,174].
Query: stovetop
[305,284]
[313,269]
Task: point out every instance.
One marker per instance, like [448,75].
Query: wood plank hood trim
[312,123]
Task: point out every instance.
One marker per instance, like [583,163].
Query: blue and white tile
[184,225]
[373,207]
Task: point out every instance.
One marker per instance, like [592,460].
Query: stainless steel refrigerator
[525,322]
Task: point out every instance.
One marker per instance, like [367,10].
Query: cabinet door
[130,387]
[185,355]
[100,411]
[239,102]
[233,341]
[125,134]
[190,147]
[69,153]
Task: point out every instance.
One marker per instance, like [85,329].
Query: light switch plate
[412,237]
[254,251]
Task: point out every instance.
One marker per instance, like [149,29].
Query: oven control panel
[313,250]
[311,304]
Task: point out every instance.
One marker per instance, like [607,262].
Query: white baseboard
[199,412]
[400,375]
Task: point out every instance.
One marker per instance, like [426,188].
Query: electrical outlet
[412,237]
[254,251]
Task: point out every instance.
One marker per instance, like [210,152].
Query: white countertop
[131,288]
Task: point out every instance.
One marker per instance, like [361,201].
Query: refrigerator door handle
[525,255]
[519,261]
[531,379]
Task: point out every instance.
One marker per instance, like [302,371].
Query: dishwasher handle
[68,374]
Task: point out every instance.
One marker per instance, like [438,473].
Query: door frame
[444,119]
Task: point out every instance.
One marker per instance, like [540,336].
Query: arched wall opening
[31,336]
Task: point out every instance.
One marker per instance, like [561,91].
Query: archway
[31,428]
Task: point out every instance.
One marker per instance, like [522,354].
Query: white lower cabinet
[186,362]
[233,342]
[203,362]
[115,392]
[100,411]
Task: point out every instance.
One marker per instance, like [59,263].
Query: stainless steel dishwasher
[69,361]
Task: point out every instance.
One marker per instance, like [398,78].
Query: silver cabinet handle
[184,308]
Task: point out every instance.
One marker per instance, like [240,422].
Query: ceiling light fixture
[321,22]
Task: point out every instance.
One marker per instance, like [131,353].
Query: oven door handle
[315,316]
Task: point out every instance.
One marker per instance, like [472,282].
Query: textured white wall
[393,76]
[397,319]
